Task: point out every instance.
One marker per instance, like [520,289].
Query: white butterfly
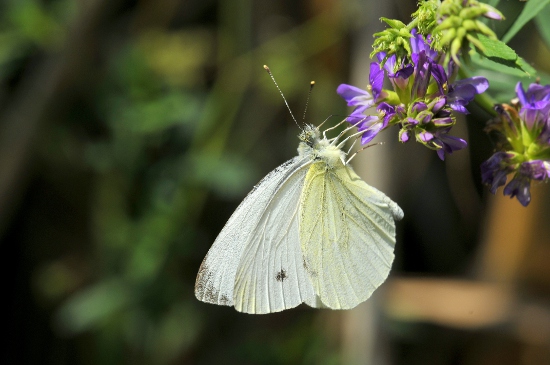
[311,231]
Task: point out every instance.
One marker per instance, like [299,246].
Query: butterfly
[310,232]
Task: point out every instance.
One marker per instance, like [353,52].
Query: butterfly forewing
[347,234]
[271,275]
[216,278]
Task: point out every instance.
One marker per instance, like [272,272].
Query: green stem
[412,24]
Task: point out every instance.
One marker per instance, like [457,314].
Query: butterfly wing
[347,235]
[271,275]
[216,278]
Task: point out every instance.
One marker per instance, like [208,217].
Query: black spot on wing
[281,275]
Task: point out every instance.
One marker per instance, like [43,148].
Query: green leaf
[543,25]
[531,9]
[497,51]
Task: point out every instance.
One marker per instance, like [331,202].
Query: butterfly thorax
[315,147]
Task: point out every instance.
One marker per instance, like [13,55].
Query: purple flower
[386,111]
[425,136]
[535,104]
[441,140]
[422,73]
[364,99]
[495,170]
[519,187]
[400,77]
[404,135]
[372,126]
[418,45]
[536,169]
[448,144]
[462,92]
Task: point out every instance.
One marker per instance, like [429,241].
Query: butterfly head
[316,147]
[310,135]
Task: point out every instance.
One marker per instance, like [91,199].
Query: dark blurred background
[131,130]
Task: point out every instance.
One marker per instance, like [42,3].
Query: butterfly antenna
[362,149]
[278,88]
[311,85]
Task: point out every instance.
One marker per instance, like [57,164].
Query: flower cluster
[421,61]
[524,147]
[424,96]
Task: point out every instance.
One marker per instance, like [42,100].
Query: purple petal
[387,111]
[404,136]
[425,136]
[448,144]
[361,108]
[498,180]
[478,82]
[452,69]
[439,75]
[419,106]
[411,121]
[422,75]
[463,91]
[495,170]
[418,45]
[405,72]
[371,133]
[439,104]
[451,143]
[390,62]
[537,92]
[530,115]
[376,79]
[458,107]
[350,93]
[536,170]
[519,187]
[366,122]
[358,119]
[386,108]
[493,15]
[521,94]
[443,121]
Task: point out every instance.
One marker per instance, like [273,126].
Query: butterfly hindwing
[347,234]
